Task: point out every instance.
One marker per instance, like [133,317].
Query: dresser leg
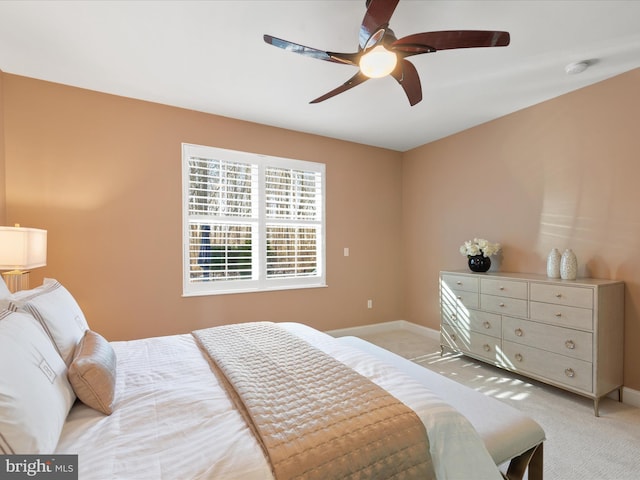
[620,394]
[441,350]
[596,406]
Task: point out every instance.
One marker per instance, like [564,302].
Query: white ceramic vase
[568,265]
[553,263]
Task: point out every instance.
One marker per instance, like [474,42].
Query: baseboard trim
[630,396]
[385,327]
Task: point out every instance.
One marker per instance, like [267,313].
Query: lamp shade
[22,248]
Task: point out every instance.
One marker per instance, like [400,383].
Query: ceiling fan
[380,53]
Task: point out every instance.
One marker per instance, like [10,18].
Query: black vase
[479,263]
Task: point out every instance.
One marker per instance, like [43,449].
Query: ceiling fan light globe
[378,63]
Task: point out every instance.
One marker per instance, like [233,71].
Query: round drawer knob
[569,372]
[518,357]
[459,297]
[501,304]
[558,315]
[518,332]
[486,347]
[459,282]
[558,295]
[486,325]
[501,288]
[569,344]
[453,337]
[454,316]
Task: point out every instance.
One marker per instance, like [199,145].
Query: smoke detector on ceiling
[575,68]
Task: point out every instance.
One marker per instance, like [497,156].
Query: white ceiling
[209,56]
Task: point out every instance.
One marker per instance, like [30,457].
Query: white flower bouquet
[479,246]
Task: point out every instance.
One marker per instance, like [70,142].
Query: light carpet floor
[579,445]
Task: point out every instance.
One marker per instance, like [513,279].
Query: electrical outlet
[369,303]
[346,251]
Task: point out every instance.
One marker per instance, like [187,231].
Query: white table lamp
[20,250]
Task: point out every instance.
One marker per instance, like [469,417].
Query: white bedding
[172,420]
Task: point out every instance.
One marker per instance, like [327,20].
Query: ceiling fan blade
[449,39]
[347,58]
[378,15]
[407,76]
[357,79]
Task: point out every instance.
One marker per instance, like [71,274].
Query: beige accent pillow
[92,372]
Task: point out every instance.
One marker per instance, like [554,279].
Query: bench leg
[532,459]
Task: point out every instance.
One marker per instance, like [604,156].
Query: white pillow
[35,395]
[58,312]
[5,294]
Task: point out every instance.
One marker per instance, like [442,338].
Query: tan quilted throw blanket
[314,417]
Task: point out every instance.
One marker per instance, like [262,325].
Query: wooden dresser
[567,333]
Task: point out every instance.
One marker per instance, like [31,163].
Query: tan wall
[103,175]
[560,174]
[3,209]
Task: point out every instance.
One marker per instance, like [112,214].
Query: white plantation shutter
[251,222]
[294,223]
[291,251]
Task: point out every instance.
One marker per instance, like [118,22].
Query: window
[251,222]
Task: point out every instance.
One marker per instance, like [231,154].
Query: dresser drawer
[562,295]
[485,346]
[448,311]
[504,305]
[567,371]
[561,315]
[460,282]
[460,298]
[452,337]
[464,322]
[485,323]
[480,345]
[565,341]
[504,288]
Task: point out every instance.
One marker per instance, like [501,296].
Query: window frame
[259,281]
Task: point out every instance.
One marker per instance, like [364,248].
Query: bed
[156,408]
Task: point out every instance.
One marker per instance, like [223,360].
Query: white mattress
[172,420]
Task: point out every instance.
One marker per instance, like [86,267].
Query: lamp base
[16,280]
